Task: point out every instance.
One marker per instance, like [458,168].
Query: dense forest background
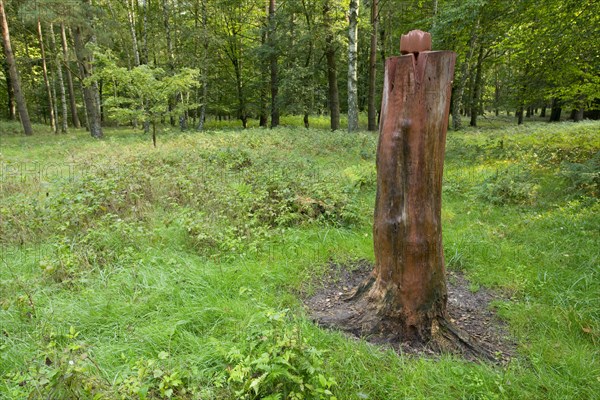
[141,62]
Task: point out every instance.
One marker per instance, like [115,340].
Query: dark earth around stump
[469,309]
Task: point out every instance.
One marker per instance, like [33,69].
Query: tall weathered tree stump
[407,288]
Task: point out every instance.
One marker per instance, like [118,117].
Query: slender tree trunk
[308,101]
[144,56]
[131,20]
[46,80]
[274,65]
[202,116]
[170,56]
[242,114]
[372,110]
[72,99]
[61,83]
[543,112]
[10,96]
[263,118]
[90,90]
[14,74]
[462,82]
[353,66]
[476,93]
[333,95]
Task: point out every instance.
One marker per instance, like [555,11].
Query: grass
[134,272]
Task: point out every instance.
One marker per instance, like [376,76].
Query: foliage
[62,370]
[508,187]
[584,177]
[278,363]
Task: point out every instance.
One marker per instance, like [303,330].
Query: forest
[84,63]
[191,198]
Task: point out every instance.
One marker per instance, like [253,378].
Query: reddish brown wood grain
[409,278]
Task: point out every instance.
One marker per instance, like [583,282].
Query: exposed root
[448,337]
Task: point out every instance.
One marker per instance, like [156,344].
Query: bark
[407,289]
[556,110]
[46,80]
[543,112]
[144,56]
[202,116]
[263,118]
[91,95]
[578,115]
[333,95]
[519,114]
[372,110]
[61,84]
[477,86]
[462,82]
[353,66]
[170,55]
[14,74]
[131,20]
[72,100]
[10,96]
[274,65]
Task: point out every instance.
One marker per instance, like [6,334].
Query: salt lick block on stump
[415,42]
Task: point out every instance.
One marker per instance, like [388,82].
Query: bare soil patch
[470,310]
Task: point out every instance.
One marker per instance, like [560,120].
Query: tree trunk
[72,99]
[10,96]
[131,20]
[519,114]
[202,116]
[45,76]
[263,118]
[353,66]
[462,81]
[556,110]
[543,112]
[372,110]
[14,74]
[333,95]
[91,96]
[274,66]
[476,93]
[144,56]
[61,83]
[407,289]
[578,115]
[170,56]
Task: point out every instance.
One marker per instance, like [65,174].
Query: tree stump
[406,292]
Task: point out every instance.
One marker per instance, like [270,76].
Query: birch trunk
[353,66]
[72,99]
[46,80]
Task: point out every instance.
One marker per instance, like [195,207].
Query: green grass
[129,271]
